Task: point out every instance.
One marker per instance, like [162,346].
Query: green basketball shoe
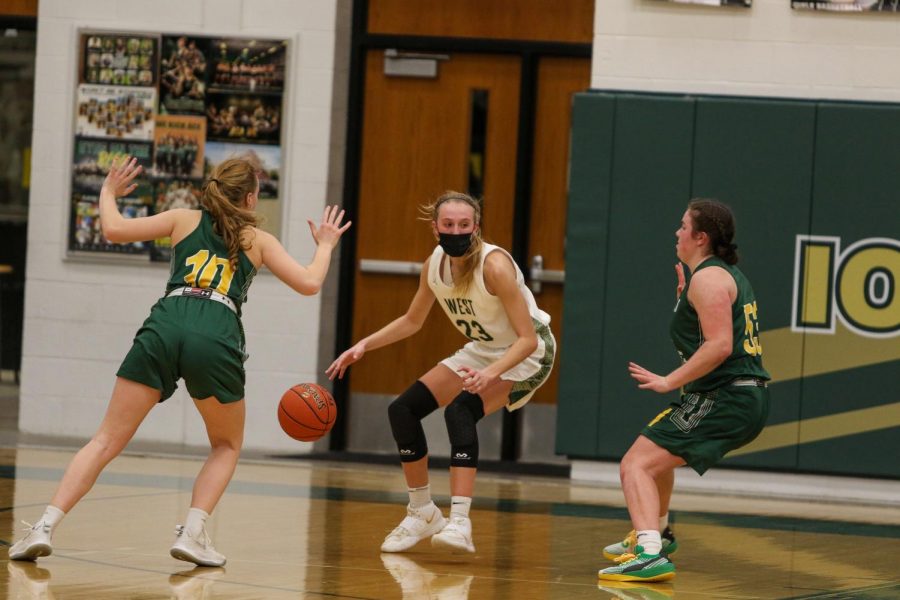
[640,567]
[626,546]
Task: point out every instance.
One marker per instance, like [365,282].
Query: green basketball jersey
[201,260]
[746,355]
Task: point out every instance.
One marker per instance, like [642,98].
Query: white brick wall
[767,50]
[80,316]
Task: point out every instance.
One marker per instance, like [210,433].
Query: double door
[493,125]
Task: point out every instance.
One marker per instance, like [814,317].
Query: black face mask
[455,244]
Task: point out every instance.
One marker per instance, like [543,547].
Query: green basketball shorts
[704,426]
[190,338]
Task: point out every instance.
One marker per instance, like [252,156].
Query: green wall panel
[587,226]
[650,188]
[856,197]
[789,169]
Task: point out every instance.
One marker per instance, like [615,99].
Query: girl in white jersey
[509,355]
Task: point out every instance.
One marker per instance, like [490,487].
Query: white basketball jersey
[478,314]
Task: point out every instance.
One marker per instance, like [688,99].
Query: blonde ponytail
[224,198]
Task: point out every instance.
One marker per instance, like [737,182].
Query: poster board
[740,3]
[180,104]
[848,6]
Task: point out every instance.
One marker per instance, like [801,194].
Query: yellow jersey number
[204,269]
[751,331]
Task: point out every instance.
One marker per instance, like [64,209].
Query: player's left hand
[330,230]
[648,380]
[475,381]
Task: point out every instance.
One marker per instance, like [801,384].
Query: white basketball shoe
[35,544]
[196,548]
[456,535]
[420,523]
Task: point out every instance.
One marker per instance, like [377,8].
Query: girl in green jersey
[193,333]
[724,402]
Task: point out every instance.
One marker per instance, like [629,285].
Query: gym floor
[310,529]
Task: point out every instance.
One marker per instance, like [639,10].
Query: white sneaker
[35,544]
[419,524]
[456,535]
[197,549]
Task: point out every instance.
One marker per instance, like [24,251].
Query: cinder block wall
[766,50]
[80,316]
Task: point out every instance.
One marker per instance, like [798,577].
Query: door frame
[361,43]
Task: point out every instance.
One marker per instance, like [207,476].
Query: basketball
[307,412]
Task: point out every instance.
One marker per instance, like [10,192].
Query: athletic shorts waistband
[205,294]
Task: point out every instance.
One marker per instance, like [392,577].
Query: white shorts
[527,376]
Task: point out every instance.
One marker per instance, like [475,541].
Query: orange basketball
[307,412]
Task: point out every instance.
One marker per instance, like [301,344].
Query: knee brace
[406,414]
[461,416]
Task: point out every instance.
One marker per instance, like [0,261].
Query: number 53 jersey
[476,313]
[746,354]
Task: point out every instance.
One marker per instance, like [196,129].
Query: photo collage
[180,104]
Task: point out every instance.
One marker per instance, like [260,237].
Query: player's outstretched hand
[330,230]
[119,180]
[347,358]
[648,380]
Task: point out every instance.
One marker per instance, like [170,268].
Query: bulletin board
[180,104]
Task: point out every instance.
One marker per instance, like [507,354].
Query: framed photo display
[180,104]
[892,6]
[741,3]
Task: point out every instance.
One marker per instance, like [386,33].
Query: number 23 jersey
[478,314]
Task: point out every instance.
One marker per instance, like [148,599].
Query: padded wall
[788,169]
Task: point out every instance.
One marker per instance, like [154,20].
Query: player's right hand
[347,358]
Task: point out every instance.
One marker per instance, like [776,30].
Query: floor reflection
[418,582]
[311,530]
[195,584]
[29,581]
[624,590]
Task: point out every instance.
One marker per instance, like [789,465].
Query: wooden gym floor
[305,529]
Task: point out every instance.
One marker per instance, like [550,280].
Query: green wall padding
[789,169]
[588,217]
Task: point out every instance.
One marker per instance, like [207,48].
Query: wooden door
[557,80]
[416,145]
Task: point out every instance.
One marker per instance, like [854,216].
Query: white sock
[664,522]
[196,520]
[649,540]
[52,516]
[460,505]
[419,497]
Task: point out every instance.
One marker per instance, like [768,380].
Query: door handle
[389,267]
[538,275]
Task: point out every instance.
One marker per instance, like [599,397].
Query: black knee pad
[461,416]
[406,414]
